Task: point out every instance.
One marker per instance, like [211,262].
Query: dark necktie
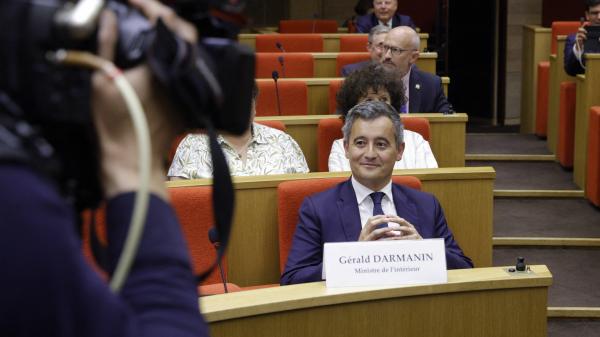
[377,209]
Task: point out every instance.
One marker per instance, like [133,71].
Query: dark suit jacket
[364,23]
[426,93]
[333,216]
[348,68]
[572,65]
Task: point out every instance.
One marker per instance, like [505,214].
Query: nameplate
[347,264]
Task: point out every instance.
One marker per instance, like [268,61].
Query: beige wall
[520,12]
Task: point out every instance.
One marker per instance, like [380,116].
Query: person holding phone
[574,46]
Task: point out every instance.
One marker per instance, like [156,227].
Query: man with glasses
[574,46]
[375,48]
[384,13]
[423,91]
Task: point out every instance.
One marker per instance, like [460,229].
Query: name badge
[396,262]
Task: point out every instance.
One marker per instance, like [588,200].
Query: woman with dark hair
[374,83]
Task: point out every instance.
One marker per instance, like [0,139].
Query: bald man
[424,91]
[384,13]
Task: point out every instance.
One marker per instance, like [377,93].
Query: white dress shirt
[365,203]
[417,154]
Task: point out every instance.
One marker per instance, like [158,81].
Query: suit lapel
[414,91]
[348,211]
[405,208]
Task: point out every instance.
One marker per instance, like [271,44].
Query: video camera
[209,82]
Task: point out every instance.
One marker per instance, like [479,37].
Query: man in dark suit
[574,49]
[424,91]
[375,48]
[369,206]
[384,13]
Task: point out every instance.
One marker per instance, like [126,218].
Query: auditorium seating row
[291,65]
[299,97]
[314,134]
[320,96]
[554,104]
[332,42]
[266,203]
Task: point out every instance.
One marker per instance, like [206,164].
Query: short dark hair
[369,111]
[254,91]
[375,77]
[590,3]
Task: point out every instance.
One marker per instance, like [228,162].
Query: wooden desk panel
[466,194]
[475,302]
[447,136]
[588,95]
[536,48]
[331,42]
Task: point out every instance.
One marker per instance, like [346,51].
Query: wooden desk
[325,64]
[331,42]
[475,302]
[318,92]
[466,194]
[536,48]
[447,136]
[588,95]
[557,76]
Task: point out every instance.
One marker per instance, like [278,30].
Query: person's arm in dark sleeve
[455,258]
[441,102]
[48,289]
[411,23]
[305,259]
[572,64]
[362,24]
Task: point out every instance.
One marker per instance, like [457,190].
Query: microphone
[213,236]
[275,76]
[280,47]
[280,59]
[315,17]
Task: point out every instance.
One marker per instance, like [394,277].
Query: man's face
[593,15]
[384,10]
[398,52]
[376,47]
[372,151]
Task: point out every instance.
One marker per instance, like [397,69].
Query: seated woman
[259,151]
[375,83]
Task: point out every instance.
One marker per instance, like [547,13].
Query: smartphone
[592,41]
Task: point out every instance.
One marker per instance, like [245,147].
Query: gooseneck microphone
[279,46]
[282,64]
[213,236]
[314,23]
[275,76]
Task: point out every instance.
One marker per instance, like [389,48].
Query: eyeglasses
[394,50]
[378,46]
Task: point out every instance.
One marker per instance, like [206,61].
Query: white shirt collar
[362,192]
[387,24]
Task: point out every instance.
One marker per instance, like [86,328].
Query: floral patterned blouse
[270,152]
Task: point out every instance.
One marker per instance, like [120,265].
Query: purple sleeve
[455,258]
[571,63]
[305,259]
[48,289]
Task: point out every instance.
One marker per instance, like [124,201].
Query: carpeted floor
[529,175]
[573,327]
[551,217]
[576,271]
[505,143]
